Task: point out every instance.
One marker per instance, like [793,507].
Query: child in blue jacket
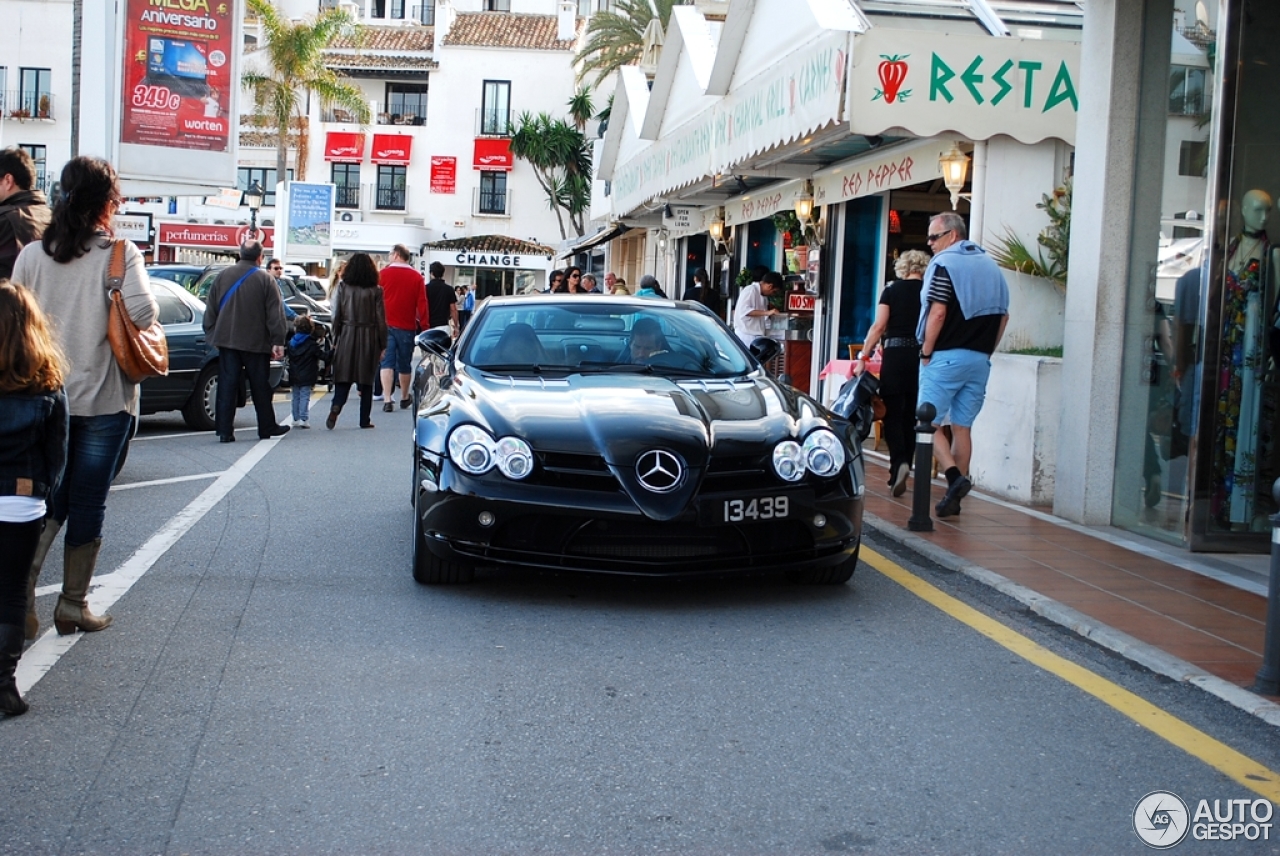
[305,353]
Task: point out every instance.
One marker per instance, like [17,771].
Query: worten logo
[660,471]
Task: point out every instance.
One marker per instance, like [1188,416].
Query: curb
[1135,650]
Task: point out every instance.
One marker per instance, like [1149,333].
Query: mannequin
[1240,365]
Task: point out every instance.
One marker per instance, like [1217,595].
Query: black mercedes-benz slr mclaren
[624,436]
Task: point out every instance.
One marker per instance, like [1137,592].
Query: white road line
[45,652]
[174,480]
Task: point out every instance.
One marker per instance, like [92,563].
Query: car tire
[835,575]
[428,568]
[201,408]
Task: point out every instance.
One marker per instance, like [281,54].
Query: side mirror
[436,342]
[764,349]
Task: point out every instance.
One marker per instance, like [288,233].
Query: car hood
[619,417]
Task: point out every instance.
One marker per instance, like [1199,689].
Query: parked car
[548,438]
[297,299]
[192,383]
[183,275]
[313,287]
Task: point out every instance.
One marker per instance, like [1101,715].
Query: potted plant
[44,106]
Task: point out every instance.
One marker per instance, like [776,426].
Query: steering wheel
[672,359]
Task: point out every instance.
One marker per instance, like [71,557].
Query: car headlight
[472,449]
[788,461]
[515,458]
[823,453]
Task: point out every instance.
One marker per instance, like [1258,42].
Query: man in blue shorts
[405,298]
[962,318]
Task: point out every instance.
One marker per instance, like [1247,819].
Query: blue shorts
[955,382]
[399,355]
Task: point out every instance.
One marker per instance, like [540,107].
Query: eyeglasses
[931,238]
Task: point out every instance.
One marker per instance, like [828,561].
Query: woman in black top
[895,332]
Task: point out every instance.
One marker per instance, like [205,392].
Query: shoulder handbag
[140,353]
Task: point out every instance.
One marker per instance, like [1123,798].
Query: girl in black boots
[33,452]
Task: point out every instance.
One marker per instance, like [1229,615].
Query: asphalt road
[276,683]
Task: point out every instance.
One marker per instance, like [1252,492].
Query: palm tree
[560,155]
[296,54]
[615,39]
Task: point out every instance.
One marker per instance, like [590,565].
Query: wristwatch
[925,356]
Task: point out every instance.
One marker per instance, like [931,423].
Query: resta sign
[977,87]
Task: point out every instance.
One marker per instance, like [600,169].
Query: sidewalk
[1184,620]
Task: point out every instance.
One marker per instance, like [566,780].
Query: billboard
[306,221]
[180,82]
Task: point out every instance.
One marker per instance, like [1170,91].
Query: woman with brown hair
[67,272]
[33,451]
[360,336]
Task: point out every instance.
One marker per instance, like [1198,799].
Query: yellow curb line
[1221,757]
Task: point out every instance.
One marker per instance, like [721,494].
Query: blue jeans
[94,447]
[301,403]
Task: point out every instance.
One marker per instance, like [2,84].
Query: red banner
[392,148]
[444,174]
[343,147]
[211,236]
[493,155]
[177,74]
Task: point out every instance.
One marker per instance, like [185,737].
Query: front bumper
[605,533]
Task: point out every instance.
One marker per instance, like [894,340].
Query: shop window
[391,188]
[1193,158]
[346,181]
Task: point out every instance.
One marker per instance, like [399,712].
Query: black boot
[11,639]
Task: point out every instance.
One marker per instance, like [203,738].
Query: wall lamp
[955,168]
[719,232]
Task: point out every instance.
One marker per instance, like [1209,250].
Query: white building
[35,82]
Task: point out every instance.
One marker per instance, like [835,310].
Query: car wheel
[835,575]
[200,411]
[430,569]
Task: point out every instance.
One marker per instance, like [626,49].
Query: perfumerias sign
[798,95]
[972,86]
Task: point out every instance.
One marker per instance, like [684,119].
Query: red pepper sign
[893,73]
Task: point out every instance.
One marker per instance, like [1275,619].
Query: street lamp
[253,198]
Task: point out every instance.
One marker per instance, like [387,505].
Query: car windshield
[602,336]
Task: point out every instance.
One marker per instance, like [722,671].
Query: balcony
[491,203]
[493,123]
[20,105]
[389,199]
[346,196]
[380,116]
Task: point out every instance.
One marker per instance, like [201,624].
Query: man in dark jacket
[244,319]
[24,213]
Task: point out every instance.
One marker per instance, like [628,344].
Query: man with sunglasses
[962,318]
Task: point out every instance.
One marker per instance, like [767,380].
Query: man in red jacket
[405,296]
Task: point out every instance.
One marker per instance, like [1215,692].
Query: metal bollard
[1267,680]
[920,500]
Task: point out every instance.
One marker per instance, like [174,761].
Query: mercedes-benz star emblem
[660,471]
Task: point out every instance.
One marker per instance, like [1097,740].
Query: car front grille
[576,472]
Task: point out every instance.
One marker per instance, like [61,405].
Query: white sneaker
[302,423]
[377,398]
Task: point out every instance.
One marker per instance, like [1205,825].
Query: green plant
[1039,352]
[1052,256]
[615,38]
[560,155]
[744,278]
[787,221]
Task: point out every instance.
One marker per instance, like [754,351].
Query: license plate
[753,509]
